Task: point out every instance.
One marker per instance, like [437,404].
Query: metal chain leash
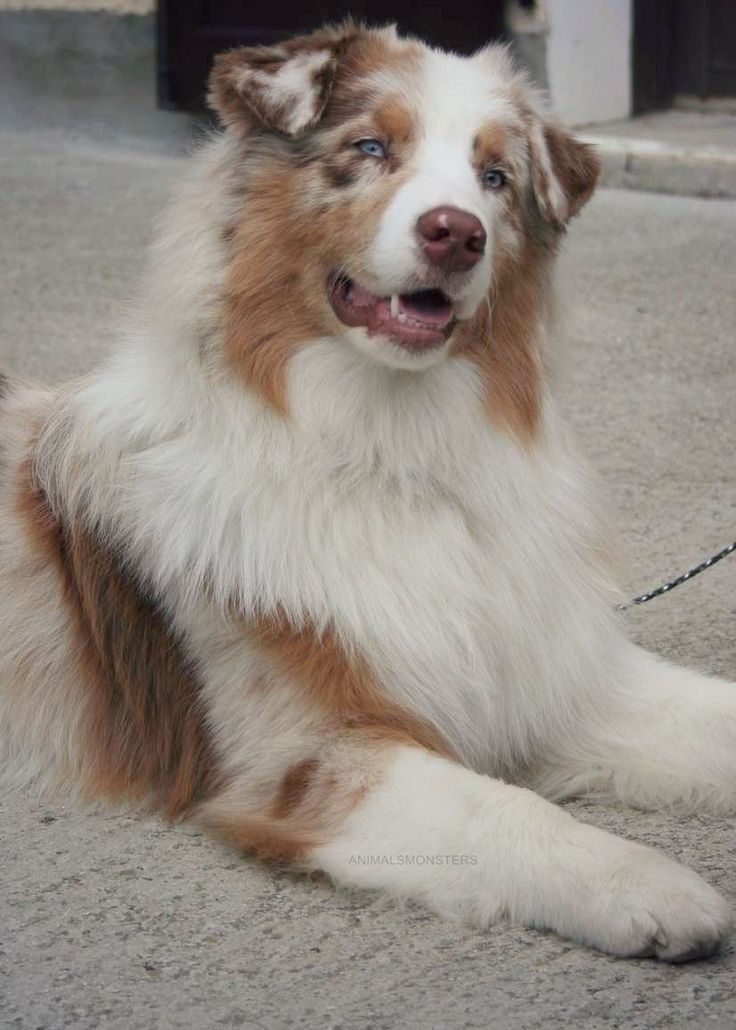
[679,579]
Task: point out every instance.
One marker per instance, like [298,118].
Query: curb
[648,165]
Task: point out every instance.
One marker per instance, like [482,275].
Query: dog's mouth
[417,321]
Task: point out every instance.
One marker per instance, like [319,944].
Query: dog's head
[386,186]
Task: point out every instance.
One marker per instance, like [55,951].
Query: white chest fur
[459,561]
[463,564]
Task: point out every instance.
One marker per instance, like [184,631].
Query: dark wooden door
[191,32]
[683,47]
[705,48]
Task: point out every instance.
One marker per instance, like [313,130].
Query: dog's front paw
[647,905]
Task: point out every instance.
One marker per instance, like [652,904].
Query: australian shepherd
[311,559]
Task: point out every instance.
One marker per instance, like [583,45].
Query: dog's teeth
[395,305]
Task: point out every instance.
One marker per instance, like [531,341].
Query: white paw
[646,905]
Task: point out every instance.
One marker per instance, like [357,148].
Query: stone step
[691,152]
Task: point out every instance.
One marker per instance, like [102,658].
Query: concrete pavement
[108,920]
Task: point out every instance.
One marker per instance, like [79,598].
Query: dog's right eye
[371,147]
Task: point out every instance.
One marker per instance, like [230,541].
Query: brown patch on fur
[294,787]
[147,737]
[576,165]
[540,180]
[271,292]
[339,175]
[369,53]
[313,799]
[361,726]
[489,145]
[389,122]
[240,100]
[501,340]
[394,121]
[322,79]
[283,253]
[228,234]
[341,684]
[3,385]
[265,838]
[381,51]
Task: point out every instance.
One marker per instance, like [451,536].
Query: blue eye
[371,147]
[494,178]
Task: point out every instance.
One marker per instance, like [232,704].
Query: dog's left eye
[494,178]
[371,147]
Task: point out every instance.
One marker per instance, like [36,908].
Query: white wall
[589,59]
[116,6]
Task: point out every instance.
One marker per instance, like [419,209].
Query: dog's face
[387,184]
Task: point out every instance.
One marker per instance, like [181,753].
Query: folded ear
[285,87]
[564,171]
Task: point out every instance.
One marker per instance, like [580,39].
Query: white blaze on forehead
[291,87]
[457,97]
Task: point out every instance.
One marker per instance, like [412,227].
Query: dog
[311,559]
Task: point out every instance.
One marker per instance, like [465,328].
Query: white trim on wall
[589,59]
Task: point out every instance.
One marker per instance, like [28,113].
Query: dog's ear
[564,171]
[284,87]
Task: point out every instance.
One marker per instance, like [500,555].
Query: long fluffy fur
[325,596]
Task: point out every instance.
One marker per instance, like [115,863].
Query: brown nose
[452,239]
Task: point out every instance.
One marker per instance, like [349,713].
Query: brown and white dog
[311,559]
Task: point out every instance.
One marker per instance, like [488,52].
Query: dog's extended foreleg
[665,737]
[481,850]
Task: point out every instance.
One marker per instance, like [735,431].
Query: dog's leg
[480,850]
[664,737]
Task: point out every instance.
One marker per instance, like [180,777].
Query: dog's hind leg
[421,827]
